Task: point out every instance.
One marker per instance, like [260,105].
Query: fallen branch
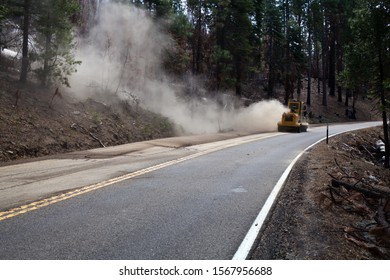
[369,193]
[359,242]
[97,139]
[347,175]
[350,147]
[371,155]
[332,196]
[75,125]
[381,217]
[369,246]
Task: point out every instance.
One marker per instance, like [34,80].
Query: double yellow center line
[79,191]
[64,196]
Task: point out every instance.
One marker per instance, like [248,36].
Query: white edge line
[250,238]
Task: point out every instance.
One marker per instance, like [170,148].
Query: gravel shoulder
[314,221]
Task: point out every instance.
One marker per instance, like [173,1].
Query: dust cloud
[122,58]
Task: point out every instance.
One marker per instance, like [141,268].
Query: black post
[327,133]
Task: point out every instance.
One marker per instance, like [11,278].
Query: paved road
[196,203]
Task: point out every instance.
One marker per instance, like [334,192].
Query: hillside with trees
[251,50]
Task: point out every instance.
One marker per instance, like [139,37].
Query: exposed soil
[312,220]
[36,122]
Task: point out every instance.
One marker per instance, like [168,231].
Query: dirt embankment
[316,217]
[36,122]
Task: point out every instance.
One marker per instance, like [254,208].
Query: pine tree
[221,58]
[55,41]
[367,56]
[238,37]
[274,41]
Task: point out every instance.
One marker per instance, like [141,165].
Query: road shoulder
[305,223]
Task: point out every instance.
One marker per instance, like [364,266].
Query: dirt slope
[36,122]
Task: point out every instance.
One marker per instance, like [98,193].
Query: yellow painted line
[57,198]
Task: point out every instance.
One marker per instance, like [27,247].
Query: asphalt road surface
[196,202]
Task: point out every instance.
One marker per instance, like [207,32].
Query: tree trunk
[339,60]
[200,41]
[308,96]
[299,87]
[288,83]
[324,93]
[26,25]
[238,63]
[194,53]
[270,89]
[332,64]
[339,94]
[383,103]
[347,95]
[46,67]
[289,88]
[299,78]
[220,36]
[317,51]
[197,43]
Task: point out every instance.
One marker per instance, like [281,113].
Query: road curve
[196,203]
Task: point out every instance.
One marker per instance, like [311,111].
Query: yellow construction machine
[294,120]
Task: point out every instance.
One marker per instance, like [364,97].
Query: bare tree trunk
[332,63]
[288,81]
[308,97]
[270,89]
[221,43]
[317,53]
[339,62]
[200,41]
[46,67]
[339,69]
[324,93]
[26,25]
[383,103]
[197,40]
[347,95]
[299,87]
[238,62]
[299,80]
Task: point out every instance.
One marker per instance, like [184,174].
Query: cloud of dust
[121,53]
[261,116]
[121,58]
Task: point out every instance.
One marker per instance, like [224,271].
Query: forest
[256,49]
